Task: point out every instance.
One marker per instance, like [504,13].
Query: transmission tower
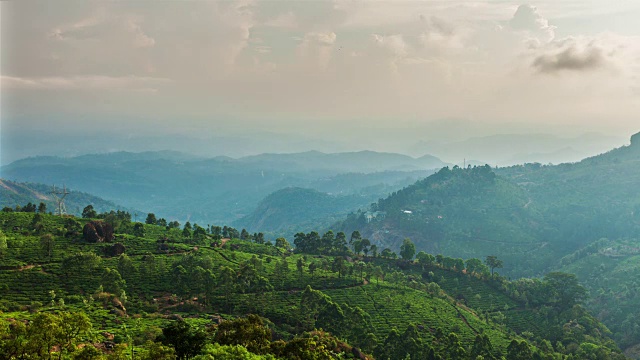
[59,195]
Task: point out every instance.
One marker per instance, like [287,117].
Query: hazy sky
[327,66]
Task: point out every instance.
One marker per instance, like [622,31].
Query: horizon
[330,76]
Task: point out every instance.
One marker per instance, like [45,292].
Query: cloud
[571,58]
[317,47]
[103,24]
[527,19]
[94,82]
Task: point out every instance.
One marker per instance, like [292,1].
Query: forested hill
[581,217]
[461,213]
[290,210]
[531,215]
[74,288]
[14,194]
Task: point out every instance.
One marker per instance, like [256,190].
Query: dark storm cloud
[571,58]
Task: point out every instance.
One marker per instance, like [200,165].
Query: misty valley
[319,180]
[317,256]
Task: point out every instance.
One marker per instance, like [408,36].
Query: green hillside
[463,213]
[390,308]
[14,194]
[536,218]
[291,210]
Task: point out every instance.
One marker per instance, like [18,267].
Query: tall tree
[407,249]
[565,290]
[151,219]
[493,262]
[89,213]
[185,339]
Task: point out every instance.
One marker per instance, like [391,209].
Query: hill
[177,186]
[14,194]
[391,308]
[536,218]
[461,213]
[291,210]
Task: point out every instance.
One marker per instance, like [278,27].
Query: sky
[335,72]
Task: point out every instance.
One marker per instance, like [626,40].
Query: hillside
[291,210]
[179,186]
[15,193]
[389,308]
[462,213]
[536,218]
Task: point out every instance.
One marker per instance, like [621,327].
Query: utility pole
[59,196]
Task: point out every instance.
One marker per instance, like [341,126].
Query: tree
[312,268]
[42,208]
[407,249]
[185,339]
[564,289]
[365,246]
[151,219]
[138,230]
[3,244]
[374,250]
[244,234]
[89,213]
[125,266]
[112,281]
[425,259]
[519,350]
[283,243]
[249,332]
[357,246]
[387,253]
[355,236]
[473,265]
[157,351]
[339,265]
[300,266]
[493,262]
[340,243]
[47,243]
[227,281]
[199,233]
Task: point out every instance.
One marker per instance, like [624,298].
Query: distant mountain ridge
[219,190]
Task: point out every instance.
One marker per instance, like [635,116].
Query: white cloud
[94,82]
[527,19]
[316,49]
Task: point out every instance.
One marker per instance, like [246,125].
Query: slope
[203,281]
[14,194]
[291,210]
[463,213]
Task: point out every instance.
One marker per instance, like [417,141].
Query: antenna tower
[59,195]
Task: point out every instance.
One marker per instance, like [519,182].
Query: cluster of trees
[556,289]
[37,338]
[29,207]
